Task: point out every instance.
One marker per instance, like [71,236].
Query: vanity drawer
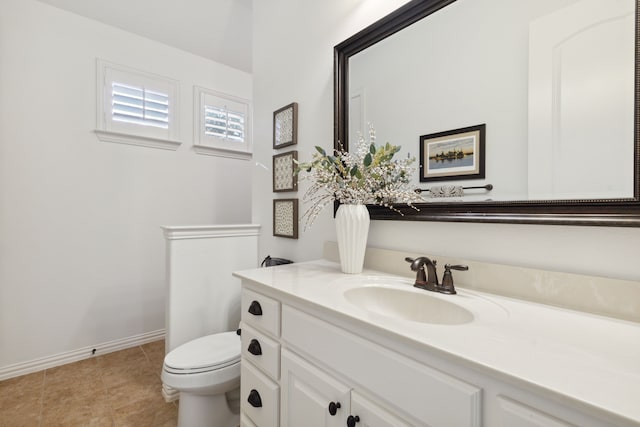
[423,392]
[245,421]
[261,351]
[513,413]
[259,397]
[261,312]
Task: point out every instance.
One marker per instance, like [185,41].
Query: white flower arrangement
[367,175]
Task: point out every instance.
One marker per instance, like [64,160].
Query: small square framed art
[285,218]
[285,126]
[284,177]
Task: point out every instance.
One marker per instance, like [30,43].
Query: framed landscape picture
[453,154]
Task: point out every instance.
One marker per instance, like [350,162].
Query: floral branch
[367,175]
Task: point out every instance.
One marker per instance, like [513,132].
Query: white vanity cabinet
[318,366]
[513,413]
[409,390]
[370,414]
[308,393]
[245,421]
[260,367]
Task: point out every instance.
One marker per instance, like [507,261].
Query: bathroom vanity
[321,348]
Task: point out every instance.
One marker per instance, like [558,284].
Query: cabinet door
[307,393]
[372,415]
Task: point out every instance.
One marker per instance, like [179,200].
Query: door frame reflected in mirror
[594,212]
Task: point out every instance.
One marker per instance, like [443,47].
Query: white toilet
[206,372]
[202,362]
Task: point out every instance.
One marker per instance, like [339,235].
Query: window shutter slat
[223,123]
[131,104]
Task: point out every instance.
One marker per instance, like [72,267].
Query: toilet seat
[205,354]
[204,366]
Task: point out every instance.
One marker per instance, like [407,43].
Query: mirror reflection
[552,81]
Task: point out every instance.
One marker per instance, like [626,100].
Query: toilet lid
[204,354]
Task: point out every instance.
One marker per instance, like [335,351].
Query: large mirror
[531,106]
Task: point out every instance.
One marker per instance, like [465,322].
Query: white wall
[81,249]
[452,81]
[293,61]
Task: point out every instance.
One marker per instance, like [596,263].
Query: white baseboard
[42,363]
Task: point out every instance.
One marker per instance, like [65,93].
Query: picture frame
[284,176]
[453,155]
[285,218]
[285,126]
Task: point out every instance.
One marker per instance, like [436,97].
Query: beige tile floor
[117,389]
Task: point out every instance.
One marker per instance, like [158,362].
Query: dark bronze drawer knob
[254,399]
[255,308]
[255,348]
[351,420]
[333,407]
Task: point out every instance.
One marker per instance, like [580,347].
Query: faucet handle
[418,263]
[447,286]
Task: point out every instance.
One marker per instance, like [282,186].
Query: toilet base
[170,394]
[206,411]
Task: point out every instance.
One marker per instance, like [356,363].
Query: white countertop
[586,358]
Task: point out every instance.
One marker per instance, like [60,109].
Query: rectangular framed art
[285,218]
[453,154]
[284,177]
[285,126]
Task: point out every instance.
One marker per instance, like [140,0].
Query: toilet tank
[202,297]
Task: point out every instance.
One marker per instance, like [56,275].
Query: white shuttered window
[136,107]
[222,124]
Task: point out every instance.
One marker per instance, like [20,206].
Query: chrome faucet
[429,280]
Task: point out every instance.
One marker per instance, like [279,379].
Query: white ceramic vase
[352,229]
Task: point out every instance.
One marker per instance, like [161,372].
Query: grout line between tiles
[145,354]
[41,406]
[106,392]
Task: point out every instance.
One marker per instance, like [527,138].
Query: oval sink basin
[417,306]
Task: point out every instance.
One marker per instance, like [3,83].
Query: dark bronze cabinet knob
[254,399]
[255,308]
[333,407]
[255,348]
[351,420]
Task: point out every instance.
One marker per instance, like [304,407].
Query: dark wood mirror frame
[593,212]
